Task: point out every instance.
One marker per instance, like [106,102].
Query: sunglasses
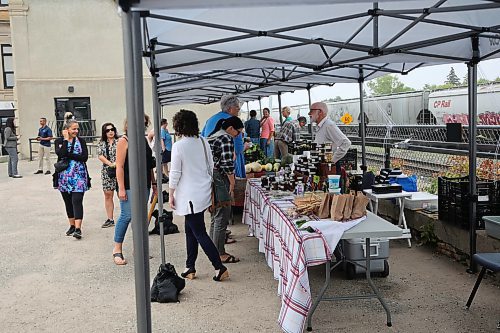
[109,130]
[312,110]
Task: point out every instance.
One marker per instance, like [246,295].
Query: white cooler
[355,251]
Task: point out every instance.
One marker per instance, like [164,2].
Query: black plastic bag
[167,285]
[169,227]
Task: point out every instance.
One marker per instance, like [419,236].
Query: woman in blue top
[74,181]
[166,146]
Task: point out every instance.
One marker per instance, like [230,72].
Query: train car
[414,108]
[451,106]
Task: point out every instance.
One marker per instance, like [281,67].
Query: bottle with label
[300,189]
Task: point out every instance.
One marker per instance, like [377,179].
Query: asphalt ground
[53,283]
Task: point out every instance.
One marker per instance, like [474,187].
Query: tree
[387,84]
[483,81]
[452,78]
[466,80]
[432,87]
[335,99]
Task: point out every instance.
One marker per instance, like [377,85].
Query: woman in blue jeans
[10,146]
[124,193]
[190,191]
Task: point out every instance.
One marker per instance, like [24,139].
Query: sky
[489,69]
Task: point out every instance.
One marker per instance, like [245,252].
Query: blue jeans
[255,141]
[268,149]
[125,217]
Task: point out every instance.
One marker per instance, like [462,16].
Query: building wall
[61,43]
[57,44]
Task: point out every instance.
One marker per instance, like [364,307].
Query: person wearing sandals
[74,181]
[222,146]
[124,193]
[190,189]
[106,151]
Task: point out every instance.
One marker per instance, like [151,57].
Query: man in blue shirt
[252,127]
[230,106]
[166,146]
[44,137]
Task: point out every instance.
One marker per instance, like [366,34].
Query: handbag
[166,285]
[63,163]
[111,171]
[220,195]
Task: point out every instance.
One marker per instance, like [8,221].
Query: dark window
[425,117]
[4,3]
[80,108]
[8,67]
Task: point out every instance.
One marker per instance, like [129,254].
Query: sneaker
[48,172]
[39,172]
[17,176]
[108,223]
[78,233]
[70,231]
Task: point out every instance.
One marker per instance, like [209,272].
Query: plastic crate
[350,160]
[453,200]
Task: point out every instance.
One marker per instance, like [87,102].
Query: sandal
[120,256]
[230,259]
[230,240]
[223,274]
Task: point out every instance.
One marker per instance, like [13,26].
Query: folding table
[400,197]
[373,227]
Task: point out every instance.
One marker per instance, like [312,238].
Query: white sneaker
[17,176]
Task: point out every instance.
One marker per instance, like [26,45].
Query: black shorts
[166,156]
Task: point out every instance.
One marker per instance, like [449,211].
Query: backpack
[166,285]
[169,227]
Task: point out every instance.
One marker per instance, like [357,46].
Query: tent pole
[473,197]
[260,107]
[137,152]
[159,170]
[362,121]
[248,111]
[279,107]
[310,103]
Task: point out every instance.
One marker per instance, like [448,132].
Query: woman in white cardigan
[190,191]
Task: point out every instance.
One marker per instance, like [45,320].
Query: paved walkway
[53,283]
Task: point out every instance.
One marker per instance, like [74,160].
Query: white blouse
[189,175]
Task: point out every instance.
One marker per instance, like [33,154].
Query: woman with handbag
[222,146]
[106,150]
[73,179]
[123,188]
[190,187]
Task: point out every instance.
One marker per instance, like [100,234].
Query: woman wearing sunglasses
[106,150]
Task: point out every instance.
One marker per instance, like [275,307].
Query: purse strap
[210,171]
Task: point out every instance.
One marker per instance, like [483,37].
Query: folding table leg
[476,285]
[402,218]
[372,285]
[320,296]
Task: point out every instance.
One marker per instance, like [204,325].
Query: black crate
[350,160]
[453,200]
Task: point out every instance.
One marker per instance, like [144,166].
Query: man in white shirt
[328,131]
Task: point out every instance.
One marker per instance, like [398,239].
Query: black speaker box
[454,132]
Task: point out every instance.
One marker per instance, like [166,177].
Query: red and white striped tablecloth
[288,252]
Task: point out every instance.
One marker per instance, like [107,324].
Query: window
[8,67]
[4,3]
[425,117]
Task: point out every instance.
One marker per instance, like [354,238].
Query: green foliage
[335,99]
[254,154]
[433,87]
[387,84]
[427,235]
[452,78]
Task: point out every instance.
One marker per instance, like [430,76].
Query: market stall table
[289,250]
[400,197]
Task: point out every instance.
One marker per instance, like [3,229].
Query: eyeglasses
[311,110]
[110,130]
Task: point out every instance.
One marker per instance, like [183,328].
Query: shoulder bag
[110,170]
[63,163]
[220,193]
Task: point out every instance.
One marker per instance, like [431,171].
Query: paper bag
[337,209]
[349,203]
[359,207]
[324,207]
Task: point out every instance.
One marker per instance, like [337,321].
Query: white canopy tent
[200,50]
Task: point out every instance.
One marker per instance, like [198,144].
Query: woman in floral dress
[106,150]
[74,181]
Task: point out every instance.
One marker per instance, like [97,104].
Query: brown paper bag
[324,207]
[359,207]
[349,203]
[337,209]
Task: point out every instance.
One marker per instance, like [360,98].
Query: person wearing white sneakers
[44,137]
